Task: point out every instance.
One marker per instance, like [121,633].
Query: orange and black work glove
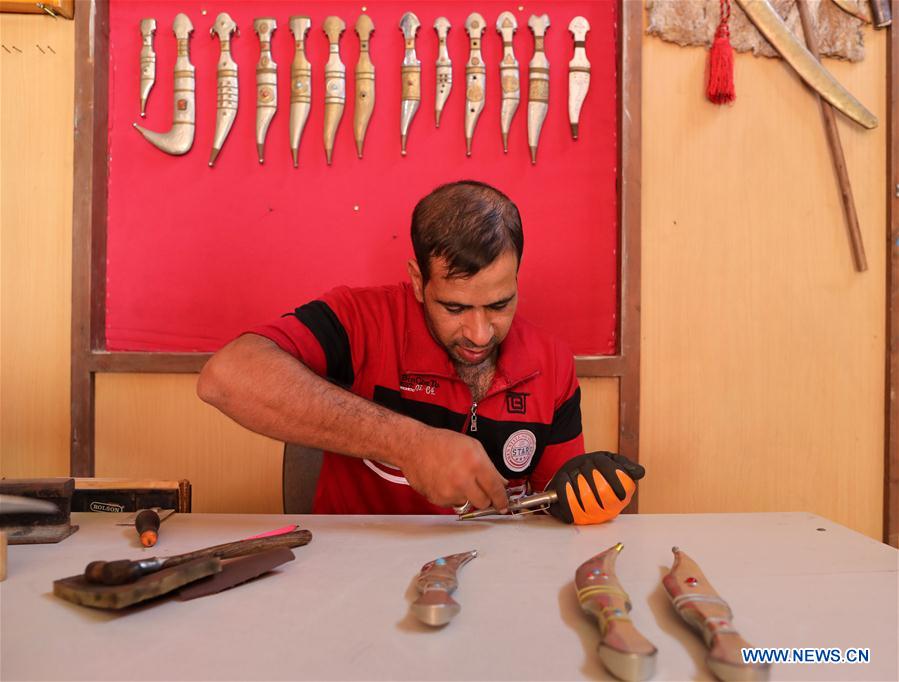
[594,488]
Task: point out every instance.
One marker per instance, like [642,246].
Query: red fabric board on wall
[197,254]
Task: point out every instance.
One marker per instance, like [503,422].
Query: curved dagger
[179,139]
[625,652]
[769,23]
[266,82]
[226,78]
[147,62]
[475,77]
[365,82]
[300,85]
[510,81]
[335,83]
[696,601]
[411,74]
[538,81]
[444,67]
[578,72]
[435,582]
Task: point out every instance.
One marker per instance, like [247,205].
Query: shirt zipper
[474,417]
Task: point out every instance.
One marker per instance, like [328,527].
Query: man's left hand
[594,487]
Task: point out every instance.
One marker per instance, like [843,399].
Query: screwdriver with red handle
[590,488]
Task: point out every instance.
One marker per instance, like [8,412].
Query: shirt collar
[423,355]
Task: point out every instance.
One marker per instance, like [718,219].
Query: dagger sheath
[180,138]
[411,77]
[578,73]
[147,62]
[335,83]
[770,25]
[435,583]
[625,652]
[698,603]
[300,85]
[444,68]
[365,83]
[226,85]
[475,78]
[266,83]
[510,82]
[538,84]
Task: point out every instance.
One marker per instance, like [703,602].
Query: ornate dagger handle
[435,582]
[622,649]
[226,80]
[147,62]
[538,83]
[475,77]
[698,603]
[444,67]
[300,84]
[411,74]
[335,83]
[266,82]
[365,82]
[510,81]
[578,72]
[180,138]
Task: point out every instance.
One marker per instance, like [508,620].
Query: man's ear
[415,278]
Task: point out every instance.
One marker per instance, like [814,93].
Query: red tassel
[720,89]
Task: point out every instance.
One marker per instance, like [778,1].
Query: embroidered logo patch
[519,450]
[414,383]
[516,403]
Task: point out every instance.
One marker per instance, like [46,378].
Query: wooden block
[78,591]
[128,495]
[2,556]
[33,528]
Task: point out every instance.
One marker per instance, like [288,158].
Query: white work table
[339,611]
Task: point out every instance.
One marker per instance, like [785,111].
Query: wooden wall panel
[599,411]
[154,426]
[763,350]
[36,100]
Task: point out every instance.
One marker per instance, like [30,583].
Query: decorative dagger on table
[435,583]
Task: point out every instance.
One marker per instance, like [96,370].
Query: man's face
[470,316]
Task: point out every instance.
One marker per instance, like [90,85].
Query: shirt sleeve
[566,439]
[324,334]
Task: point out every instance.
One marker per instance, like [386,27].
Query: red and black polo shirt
[375,342]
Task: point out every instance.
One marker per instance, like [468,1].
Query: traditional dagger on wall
[475,77]
[509,77]
[698,603]
[538,83]
[365,82]
[444,68]
[180,138]
[335,83]
[578,72]
[624,651]
[147,62]
[227,84]
[411,75]
[266,82]
[300,84]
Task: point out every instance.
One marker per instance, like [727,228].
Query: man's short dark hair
[466,223]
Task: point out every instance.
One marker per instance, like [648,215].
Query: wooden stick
[836,149]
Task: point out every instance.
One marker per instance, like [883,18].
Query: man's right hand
[454,468]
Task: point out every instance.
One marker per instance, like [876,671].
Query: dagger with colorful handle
[365,82]
[411,77]
[180,138]
[770,25]
[625,652]
[227,84]
[538,83]
[435,583]
[475,77]
[300,85]
[510,82]
[266,82]
[147,62]
[335,83]
[696,601]
[444,68]
[578,72]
